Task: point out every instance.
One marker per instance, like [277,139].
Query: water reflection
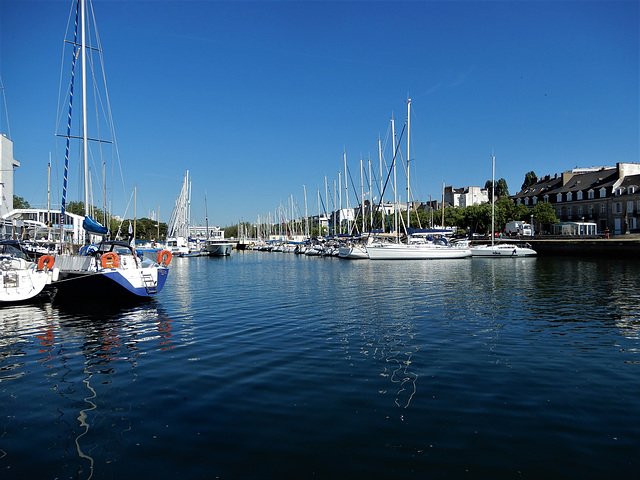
[87,359]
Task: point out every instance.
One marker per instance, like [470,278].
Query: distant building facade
[608,196]
[7,165]
[466,196]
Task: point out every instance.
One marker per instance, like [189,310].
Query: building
[7,165]
[465,197]
[607,196]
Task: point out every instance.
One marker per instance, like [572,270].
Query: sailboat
[417,247]
[20,278]
[111,270]
[499,250]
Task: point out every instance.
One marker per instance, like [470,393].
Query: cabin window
[591,194]
[579,195]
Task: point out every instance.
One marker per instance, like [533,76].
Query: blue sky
[258,98]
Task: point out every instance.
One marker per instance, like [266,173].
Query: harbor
[269,365]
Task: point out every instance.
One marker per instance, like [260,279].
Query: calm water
[269,365]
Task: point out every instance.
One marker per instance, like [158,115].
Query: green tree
[19,202]
[501,188]
[544,215]
[529,179]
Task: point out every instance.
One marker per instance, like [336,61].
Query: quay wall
[597,247]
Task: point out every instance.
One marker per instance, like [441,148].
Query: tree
[529,179]
[19,202]
[501,188]
[544,214]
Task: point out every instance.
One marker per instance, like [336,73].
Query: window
[579,195]
[603,192]
[580,211]
[618,191]
[546,199]
[632,189]
[603,209]
[630,206]
[569,196]
[519,201]
[535,200]
[559,197]
[526,201]
[591,211]
[591,194]
[616,207]
[569,213]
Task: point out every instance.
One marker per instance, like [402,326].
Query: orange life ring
[162,254]
[110,260]
[49,261]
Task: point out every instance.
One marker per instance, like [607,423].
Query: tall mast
[370,199]
[393,166]
[493,195]
[361,195]
[306,217]
[206,215]
[408,192]
[381,187]
[85,135]
[346,190]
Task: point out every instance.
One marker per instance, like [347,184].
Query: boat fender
[164,256]
[46,259]
[110,260]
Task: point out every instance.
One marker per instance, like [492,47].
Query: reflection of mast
[82,419]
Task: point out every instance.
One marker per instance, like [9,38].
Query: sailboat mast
[408,193]
[206,215]
[85,135]
[393,166]
[493,196]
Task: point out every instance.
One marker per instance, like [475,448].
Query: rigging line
[377,209]
[325,213]
[6,112]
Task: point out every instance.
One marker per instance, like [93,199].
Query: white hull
[353,252]
[20,280]
[504,250]
[399,251]
[217,249]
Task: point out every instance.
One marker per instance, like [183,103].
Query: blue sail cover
[91,226]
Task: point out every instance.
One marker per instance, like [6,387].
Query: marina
[267,365]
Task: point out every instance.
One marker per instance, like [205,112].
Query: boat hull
[353,253]
[217,249]
[110,284]
[21,285]
[502,251]
[394,251]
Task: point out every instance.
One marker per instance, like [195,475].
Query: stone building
[608,196]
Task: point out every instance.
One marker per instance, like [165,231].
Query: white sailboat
[21,279]
[112,270]
[216,247]
[499,250]
[416,247]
